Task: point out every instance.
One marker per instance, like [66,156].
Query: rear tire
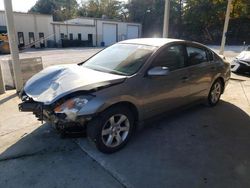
[215,93]
[112,129]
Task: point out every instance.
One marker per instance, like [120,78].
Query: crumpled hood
[55,82]
[244,56]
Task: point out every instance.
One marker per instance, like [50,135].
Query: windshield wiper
[118,72]
[104,69]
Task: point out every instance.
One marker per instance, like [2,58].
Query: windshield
[124,59]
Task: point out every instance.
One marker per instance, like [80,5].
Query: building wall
[38,23]
[98,23]
[66,29]
[82,21]
[35,23]
[121,29]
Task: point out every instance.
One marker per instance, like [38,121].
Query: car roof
[158,42]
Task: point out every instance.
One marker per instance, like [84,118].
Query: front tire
[112,129]
[215,93]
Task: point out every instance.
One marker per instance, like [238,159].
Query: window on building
[79,36]
[62,35]
[42,41]
[90,37]
[32,39]
[71,36]
[20,39]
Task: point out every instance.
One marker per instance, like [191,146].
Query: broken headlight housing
[72,106]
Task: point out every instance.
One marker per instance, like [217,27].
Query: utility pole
[13,45]
[223,41]
[2,86]
[166,19]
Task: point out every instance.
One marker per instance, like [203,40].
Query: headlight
[73,105]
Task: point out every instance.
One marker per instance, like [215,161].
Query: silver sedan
[124,85]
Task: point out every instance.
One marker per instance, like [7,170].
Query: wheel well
[222,81]
[129,105]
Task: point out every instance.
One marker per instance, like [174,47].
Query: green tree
[151,12]
[241,9]
[112,9]
[44,7]
[200,20]
[201,16]
[204,19]
[60,9]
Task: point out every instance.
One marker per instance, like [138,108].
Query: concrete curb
[98,158]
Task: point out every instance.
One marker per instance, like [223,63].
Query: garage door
[133,31]
[109,34]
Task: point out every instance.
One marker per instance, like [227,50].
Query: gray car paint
[57,81]
[149,95]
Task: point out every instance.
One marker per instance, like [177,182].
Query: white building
[79,31]
[29,28]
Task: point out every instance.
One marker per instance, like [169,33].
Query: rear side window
[171,57]
[217,58]
[210,55]
[196,55]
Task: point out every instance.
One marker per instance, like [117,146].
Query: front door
[163,93]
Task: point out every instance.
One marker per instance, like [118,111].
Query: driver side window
[171,57]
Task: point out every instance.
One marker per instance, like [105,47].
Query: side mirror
[158,71]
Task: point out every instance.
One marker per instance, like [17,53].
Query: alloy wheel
[116,130]
[216,92]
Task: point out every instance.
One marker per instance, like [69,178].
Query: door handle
[185,78]
[193,75]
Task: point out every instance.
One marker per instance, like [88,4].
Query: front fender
[98,105]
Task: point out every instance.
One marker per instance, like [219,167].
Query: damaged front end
[62,115]
[63,95]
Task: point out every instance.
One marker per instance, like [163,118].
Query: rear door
[201,69]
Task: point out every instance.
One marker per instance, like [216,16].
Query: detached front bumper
[37,108]
[58,121]
[30,107]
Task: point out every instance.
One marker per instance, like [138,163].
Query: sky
[21,5]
